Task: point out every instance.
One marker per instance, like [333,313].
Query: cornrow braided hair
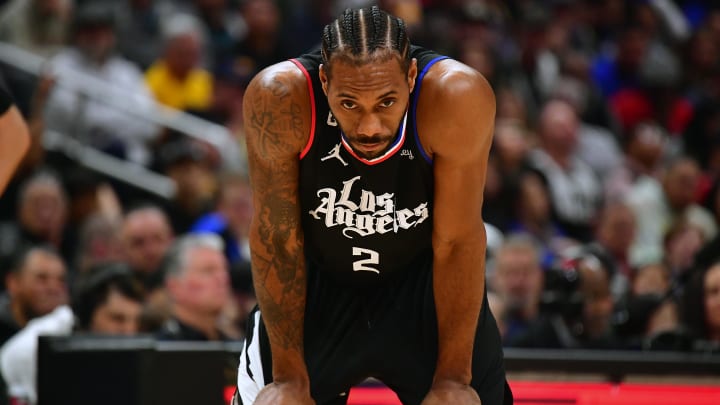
[360,35]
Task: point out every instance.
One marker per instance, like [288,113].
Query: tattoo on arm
[275,134]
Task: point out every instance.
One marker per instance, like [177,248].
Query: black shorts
[388,332]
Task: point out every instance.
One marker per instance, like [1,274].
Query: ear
[412,74]
[324,79]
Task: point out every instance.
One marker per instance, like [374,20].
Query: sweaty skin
[455,119]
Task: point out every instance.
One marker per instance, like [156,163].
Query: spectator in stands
[579,314]
[41,219]
[681,244]
[197,281]
[614,235]
[262,44]
[116,85]
[187,163]
[98,243]
[223,28]
[701,308]
[231,219]
[658,205]
[596,145]
[35,287]
[533,217]
[508,163]
[613,72]
[175,78]
[145,237]
[518,281]
[139,26]
[649,322]
[39,26]
[575,191]
[651,278]
[644,149]
[106,301]
[89,194]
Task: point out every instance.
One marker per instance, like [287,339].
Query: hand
[451,393]
[284,394]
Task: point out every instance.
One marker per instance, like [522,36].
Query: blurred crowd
[602,201]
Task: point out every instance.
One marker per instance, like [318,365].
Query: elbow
[467,244]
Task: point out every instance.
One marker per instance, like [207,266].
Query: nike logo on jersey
[335,154]
[331,120]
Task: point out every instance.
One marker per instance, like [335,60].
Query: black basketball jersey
[365,220]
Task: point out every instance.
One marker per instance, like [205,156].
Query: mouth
[370,147]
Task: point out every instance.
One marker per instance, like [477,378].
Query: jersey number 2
[363,264]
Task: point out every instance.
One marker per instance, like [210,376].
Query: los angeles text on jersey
[371,214]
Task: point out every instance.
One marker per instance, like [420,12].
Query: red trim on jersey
[306,149]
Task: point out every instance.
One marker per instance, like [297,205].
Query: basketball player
[14,138]
[368,162]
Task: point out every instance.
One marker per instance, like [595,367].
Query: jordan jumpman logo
[335,153]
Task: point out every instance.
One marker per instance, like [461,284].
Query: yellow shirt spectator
[193,92]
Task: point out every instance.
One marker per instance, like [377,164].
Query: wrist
[450,380]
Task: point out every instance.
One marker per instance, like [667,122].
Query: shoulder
[455,104]
[279,80]
[277,107]
[452,83]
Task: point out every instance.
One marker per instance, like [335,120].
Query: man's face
[559,126]
[680,184]
[518,279]
[617,229]
[118,315]
[40,285]
[43,210]
[183,53]
[146,236]
[204,285]
[369,101]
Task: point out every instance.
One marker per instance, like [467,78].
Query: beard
[355,140]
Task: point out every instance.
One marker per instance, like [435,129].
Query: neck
[204,322]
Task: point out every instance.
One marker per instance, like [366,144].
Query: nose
[369,125]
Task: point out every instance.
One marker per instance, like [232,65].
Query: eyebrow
[382,96]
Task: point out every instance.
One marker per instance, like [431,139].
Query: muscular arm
[459,144]
[14,143]
[277,124]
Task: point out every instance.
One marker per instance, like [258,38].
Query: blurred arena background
[602,201]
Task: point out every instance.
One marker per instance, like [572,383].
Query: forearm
[280,280]
[14,143]
[458,285]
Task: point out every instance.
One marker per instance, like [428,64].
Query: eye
[387,103]
[347,104]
